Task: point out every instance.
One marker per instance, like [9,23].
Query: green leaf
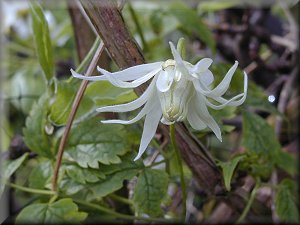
[38,130]
[92,142]
[111,184]
[258,135]
[104,93]
[112,180]
[84,175]
[40,174]
[228,169]
[150,190]
[25,87]
[285,204]
[192,22]
[287,162]
[42,39]
[62,211]
[8,168]
[62,103]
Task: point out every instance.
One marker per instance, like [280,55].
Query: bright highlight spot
[271,98]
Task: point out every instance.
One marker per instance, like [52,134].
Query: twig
[75,106]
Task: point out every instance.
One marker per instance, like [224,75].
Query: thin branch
[75,106]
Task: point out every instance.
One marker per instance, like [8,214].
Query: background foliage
[98,179]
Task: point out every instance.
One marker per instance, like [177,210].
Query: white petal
[233,101]
[131,105]
[223,86]
[206,77]
[134,72]
[150,127]
[230,102]
[201,66]
[194,119]
[205,116]
[123,84]
[148,106]
[91,78]
[180,64]
[165,80]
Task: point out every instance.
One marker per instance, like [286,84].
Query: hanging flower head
[178,91]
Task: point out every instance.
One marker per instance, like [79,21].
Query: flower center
[174,100]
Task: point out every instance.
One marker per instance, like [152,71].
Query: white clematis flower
[178,91]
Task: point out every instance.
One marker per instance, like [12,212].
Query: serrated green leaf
[37,124]
[8,168]
[62,102]
[150,190]
[258,135]
[111,184]
[42,39]
[40,174]
[92,142]
[285,204]
[228,169]
[84,175]
[62,211]
[192,22]
[113,180]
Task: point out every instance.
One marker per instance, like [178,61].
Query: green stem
[138,27]
[121,199]
[120,215]
[179,161]
[249,203]
[31,190]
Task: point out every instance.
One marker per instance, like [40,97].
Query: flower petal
[165,80]
[205,116]
[134,72]
[131,105]
[194,120]
[207,77]
[180,64]
[230,102]
[220,89]
[201,66]
[91,78]
[233,101]
[150,127]
[148,106]
[123,84]
[223,86]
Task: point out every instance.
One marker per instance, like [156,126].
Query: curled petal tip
[137,158]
